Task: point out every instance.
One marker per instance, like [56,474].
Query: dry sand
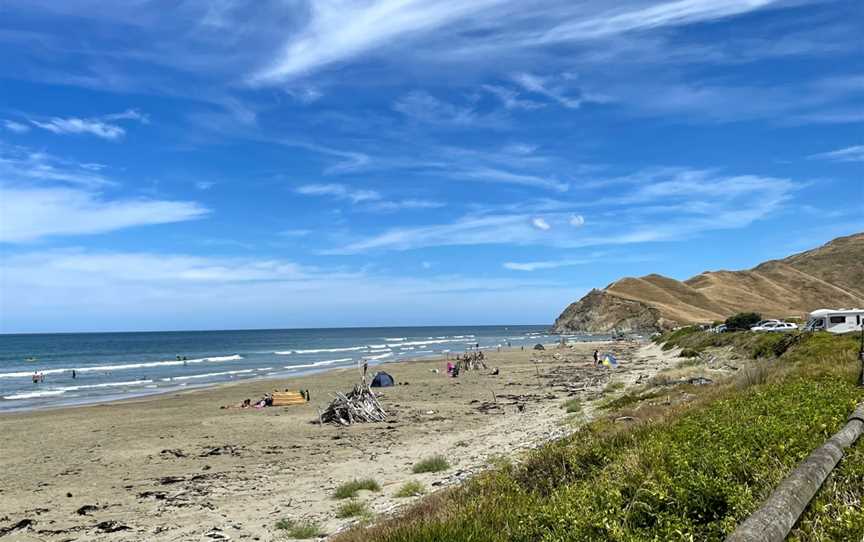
[177,467]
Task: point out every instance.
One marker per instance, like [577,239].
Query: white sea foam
[207,375]
[319,363]
[395,338]
[320,350]
[123,367]
[381,356]
[373,346]
[380,350]
[106,385]
[34,394]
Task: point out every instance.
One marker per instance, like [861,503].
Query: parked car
[761,323]
[775,327]
[719,329]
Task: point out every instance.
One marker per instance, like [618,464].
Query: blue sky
[251,163]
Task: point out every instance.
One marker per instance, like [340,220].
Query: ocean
[110,366]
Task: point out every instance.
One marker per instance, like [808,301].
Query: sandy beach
[179,467]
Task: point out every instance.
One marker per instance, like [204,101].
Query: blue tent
[382,380]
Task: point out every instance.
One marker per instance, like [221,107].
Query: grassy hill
[828,276]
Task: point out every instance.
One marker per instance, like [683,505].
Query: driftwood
[777,515]
[357,406]
[471,360]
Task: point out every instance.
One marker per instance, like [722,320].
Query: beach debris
[112,526]
[23,524]
[86,509]
[174,452]
[360,405]
[228,449]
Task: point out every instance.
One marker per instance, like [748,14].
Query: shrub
[743,320]
[613,386]
[572,406]
[349,489]
[410,489]
[436,463]
[304,530]
[352,508]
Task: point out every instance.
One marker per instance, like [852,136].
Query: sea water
[111,366]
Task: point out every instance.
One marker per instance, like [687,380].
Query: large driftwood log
[777,515]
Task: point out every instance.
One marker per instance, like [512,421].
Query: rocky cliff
[829,276]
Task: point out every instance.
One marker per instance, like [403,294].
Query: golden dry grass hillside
[829,276]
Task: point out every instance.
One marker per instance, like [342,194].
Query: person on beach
[365,368]
[596,357]
[74,374]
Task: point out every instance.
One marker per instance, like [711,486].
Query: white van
[835,321]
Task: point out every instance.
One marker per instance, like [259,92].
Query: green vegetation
[572,406]
[436,463]
[352,508]
[613,386]
[743,321]
[410,489]
[349,490]
[688,471]
[302,531]
[689,353]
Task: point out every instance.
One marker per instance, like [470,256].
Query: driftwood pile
[471,360]
[357,406]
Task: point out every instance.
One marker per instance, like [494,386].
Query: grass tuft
[410,489]
[349,490]
[301,531]
[436,463]
[352,508]
[572,406]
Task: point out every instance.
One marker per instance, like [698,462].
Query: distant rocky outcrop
[829,276]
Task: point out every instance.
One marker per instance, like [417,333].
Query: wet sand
[177,467]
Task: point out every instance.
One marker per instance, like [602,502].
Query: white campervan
[836,321]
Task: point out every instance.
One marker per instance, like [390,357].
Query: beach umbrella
[609,360]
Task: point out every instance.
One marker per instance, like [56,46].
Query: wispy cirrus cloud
[44,196]
[30,214]
[668,204]
[855,153]
[339,191]
[337,32]
[17,127]
[104,127]
[368,200]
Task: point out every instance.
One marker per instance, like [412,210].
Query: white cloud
[16,127]
[666,205]
[204,185]
[577,221]
[493,175]
[30,214]
[368,200]
[97,126]
[424,107]
[339,191]
[540,224]
[511,99]
[551,264]
[855,153]
[540,85]
[337,32]
[22,165]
